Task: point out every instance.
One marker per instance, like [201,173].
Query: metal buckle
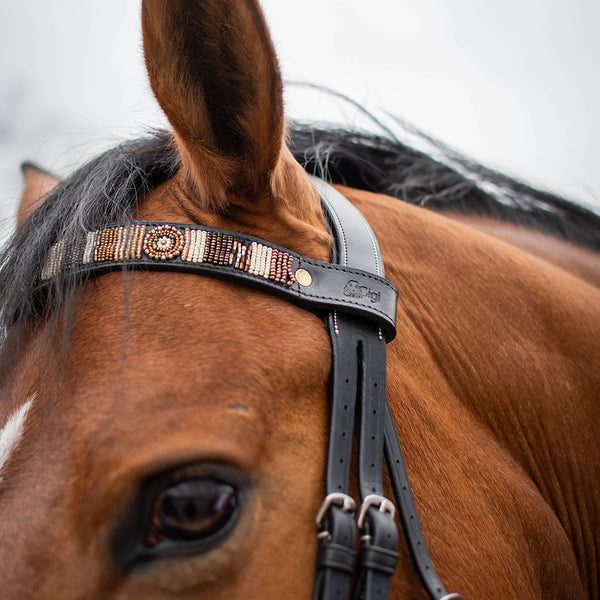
[346,502]
[385,506]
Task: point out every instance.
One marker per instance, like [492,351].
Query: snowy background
[514,84]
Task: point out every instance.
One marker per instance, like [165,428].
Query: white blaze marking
[11,434]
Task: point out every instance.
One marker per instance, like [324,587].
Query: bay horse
[164,434]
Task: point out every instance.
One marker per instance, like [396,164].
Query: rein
[359,308]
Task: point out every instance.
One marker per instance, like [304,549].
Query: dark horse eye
[192,509]
[179,513]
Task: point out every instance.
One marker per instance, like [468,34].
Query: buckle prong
[337,498]
[374,500]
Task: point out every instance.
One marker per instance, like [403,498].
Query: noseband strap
[359,307]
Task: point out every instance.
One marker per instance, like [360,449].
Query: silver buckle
[346,502]
[385,506]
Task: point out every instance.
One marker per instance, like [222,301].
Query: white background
[514,84]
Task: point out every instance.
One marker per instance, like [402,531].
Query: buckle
[373,500]
[338,499]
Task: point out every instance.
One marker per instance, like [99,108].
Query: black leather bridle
[359,383]
[359,307]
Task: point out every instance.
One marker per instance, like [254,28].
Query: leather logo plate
[354,290]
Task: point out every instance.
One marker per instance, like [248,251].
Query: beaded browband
[165,242]
[173,246]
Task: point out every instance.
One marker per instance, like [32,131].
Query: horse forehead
[191,335]
[174,368]
[149,303]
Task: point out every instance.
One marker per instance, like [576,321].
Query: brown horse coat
[493,378]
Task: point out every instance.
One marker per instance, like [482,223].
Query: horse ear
[213,70]
[38,184]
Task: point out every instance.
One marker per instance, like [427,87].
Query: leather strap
[336,556]
[411,525]
[379,534]
[358,382]
[321,287]
[377,558]
[332,581]
[359,343]
[356,244]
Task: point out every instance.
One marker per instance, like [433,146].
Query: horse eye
[192,509]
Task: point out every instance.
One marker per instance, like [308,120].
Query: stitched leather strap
[377,558]
[379,534]
[356,246]
[408,514]
[147,245]
[355,241]
[358,376]
[336,557]
[331,580]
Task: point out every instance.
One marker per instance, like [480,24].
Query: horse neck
[494,370]
[579,261]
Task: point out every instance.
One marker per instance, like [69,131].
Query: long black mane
[384,165]
[108,188]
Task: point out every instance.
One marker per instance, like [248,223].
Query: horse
[164,432]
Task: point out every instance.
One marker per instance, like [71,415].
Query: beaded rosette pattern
[164,243]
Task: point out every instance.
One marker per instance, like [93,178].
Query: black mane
[387,166]
[108,188]
[103,191]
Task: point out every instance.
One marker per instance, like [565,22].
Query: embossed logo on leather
[354,290]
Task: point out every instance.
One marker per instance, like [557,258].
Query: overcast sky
[514,84]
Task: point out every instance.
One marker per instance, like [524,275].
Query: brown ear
[38,184]
[213,69]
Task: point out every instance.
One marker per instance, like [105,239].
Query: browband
[226,254]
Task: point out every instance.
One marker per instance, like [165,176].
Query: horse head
[164,433]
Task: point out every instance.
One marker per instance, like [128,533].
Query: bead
[164,242]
